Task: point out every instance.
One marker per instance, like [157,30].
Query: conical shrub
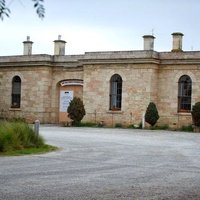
[196,114]
[151,115]
[76,110]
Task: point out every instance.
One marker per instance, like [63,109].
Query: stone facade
[146,75]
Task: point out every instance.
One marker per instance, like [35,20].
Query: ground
[106,164]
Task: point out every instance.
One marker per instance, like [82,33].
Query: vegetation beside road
[19,138]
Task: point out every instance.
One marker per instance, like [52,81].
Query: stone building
[116,87]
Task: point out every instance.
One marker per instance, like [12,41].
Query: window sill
[15,109]
[184,113]
[115,111]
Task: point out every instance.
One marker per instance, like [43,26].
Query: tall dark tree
[151,115]
[38,5]
[196,114]
[76,110]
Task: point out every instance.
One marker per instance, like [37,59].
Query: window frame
[115,93]
[184,94]
[16,92]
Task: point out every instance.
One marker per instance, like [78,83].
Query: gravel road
[106,164]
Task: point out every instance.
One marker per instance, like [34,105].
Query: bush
[188,128]
[196,114]
[86,124]
[76,110]
[151,115]
[162,127]
[118,125]
[17,119]
[18,135]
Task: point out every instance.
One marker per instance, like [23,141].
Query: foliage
[18,135]
[17,119]
[76,110]
[83,124]
[135,126]
[38,5]
[188,128]
[28,151]
[86,124]
[4,11]
[118,125]
[196,114]
[162,127]
[151,115]
[39,8]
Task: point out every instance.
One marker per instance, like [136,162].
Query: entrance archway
[67,91]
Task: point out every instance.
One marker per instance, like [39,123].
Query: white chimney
[177,42]
[28,46]
[148,42]
[59,46]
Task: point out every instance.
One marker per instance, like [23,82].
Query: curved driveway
[106,164]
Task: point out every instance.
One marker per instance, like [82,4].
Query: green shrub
[18,135]
[17,119]
[151,115]
[118,125]
[188,128]
[196,114]
[162,127]
[86,124]
[76,110]
[131,126]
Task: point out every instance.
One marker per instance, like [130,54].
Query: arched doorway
[68,90]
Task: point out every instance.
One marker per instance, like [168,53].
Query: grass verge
[29,151]
[19,138]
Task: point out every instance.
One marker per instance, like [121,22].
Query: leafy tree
[196,114]
[151,115]
[3,9]
[38,5]
[76,110]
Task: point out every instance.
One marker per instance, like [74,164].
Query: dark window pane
[16,92]
[115,92]
[185,93]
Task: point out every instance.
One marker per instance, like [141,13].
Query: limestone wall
[35,93]
[147,76]
[138,89]
[168,93]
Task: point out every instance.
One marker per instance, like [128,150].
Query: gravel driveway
[95,164]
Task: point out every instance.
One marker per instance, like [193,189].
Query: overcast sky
[100,25]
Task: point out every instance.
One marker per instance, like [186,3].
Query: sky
[100,25]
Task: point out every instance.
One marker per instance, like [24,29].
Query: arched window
[16,92]
[184,93]
[115,92]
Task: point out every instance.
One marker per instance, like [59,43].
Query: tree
[76,110]
[38,5]
[196,114]
[151,115]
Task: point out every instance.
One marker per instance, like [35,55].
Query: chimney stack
[177,42]
[59,46]
[148,42]
[28,46]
